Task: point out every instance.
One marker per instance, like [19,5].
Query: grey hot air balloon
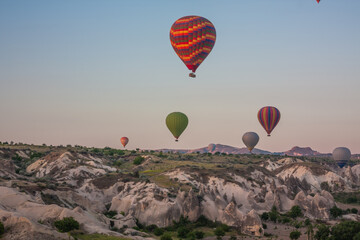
[341,156]
[250,140]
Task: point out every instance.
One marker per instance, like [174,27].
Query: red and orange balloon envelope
[269,117]
[318,1]
[192,38]
[124,141]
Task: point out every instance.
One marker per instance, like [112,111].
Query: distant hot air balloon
[318,1]
[250,140]
[176,123]
[192,38]
[269,117]
[341,156]
[124,141]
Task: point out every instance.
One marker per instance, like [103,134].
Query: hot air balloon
[176,123]
[341,156]
[192,38]
[318,1]
[250,140]
[124,141]
[269,117]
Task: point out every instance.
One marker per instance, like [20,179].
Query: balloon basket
[192,75]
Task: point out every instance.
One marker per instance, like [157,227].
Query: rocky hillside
[39,185]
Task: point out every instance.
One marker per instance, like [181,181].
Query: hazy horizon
[89,72]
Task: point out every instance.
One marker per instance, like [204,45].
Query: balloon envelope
[124,141]
[269,117]
[192,38]
[250,140]
[177,123]
[341,156]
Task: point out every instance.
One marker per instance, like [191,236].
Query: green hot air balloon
[250,139]
[176,123]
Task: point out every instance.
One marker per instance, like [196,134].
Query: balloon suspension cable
[192,75]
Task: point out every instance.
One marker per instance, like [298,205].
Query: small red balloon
[124,141]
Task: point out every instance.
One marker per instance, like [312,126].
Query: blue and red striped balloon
[269,117]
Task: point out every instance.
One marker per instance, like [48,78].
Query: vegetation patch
[96,237]
[347,197]
[51,199]
[67,224]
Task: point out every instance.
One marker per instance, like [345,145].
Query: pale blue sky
[89,72]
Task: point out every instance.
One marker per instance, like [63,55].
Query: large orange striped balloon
[269,117]
[192,38]
[124,141]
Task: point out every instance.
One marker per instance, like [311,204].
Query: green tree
[295,212]
[158,231]
[354,210]
[273,216]
[345,230]
[182,232]
[224,227]
[138,160]
[166,236]
[219,232]
[357,236]
[310,232]
[67,224]
[199,234]
[335,211]
[322,233]
[2,230]
[265,216]
[295,235]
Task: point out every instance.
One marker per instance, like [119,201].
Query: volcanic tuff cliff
[158,191]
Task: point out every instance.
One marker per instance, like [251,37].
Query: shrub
[295,212]
[295,235]
[182,232]
[138,160]
[159,231]
[322,233]
[110,214]
[219,232]
[67,224]
[335,211]
[264,226]
[265,216]
[285,220]
[224,227]
[151,228]
[2,230]
[307,222]
[345,230]
[166,236]
[233,238]
[354,210]
[204,222]
[199,234]
[273,216]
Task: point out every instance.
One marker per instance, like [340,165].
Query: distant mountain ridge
[213,148]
